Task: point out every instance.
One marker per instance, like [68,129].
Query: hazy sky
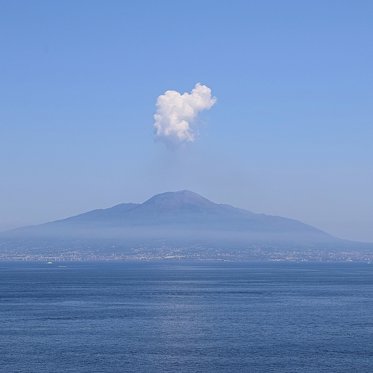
[290,134]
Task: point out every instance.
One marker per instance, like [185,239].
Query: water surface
[186,317]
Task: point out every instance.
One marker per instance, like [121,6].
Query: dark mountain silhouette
[187,211]
[170,220]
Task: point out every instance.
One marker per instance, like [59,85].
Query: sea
[176,316]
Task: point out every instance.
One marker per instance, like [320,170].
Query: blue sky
[291,132]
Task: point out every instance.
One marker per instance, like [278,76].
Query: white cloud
[176,113]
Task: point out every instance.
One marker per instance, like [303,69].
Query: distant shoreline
[54,260]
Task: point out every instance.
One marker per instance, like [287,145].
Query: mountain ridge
[176,205]
[183,220]
[180,206]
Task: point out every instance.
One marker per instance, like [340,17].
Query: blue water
[167,317]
